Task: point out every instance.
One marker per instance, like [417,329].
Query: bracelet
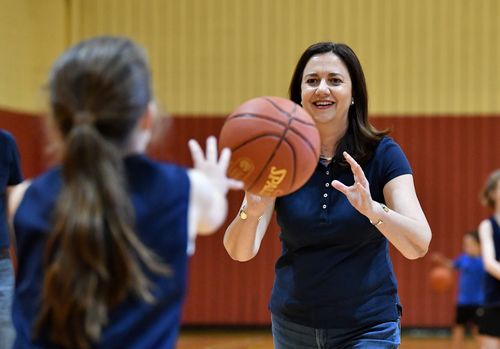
[243,215]
[380,221]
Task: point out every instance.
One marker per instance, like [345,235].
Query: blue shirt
[335,270]
[491,284]
[160,196]
[10,174]
[471,271]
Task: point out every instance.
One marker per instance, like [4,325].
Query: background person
[489,233]
[470,297]
[10,175]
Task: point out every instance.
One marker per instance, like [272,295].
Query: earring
[352,102]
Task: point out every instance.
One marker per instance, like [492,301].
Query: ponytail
[93,257]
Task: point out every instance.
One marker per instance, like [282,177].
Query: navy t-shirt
[160,196]
[335,270]
[10,174]
[471,271]
[492,284]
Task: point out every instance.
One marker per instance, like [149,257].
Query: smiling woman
[337,236]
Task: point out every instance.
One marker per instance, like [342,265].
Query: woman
[489,233]
[334,284]
[103,239]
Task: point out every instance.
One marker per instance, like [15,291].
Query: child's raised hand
[212,166]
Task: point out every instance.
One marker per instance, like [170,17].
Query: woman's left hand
[358,194]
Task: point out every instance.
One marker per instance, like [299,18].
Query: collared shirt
[335,270]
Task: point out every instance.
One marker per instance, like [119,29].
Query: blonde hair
[489,187]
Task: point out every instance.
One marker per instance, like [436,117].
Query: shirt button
[324,206]
[327,172]
[327,185]
[325,195]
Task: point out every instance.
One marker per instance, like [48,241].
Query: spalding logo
[274,179]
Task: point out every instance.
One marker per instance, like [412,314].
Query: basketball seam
[271,157]
[250,140]
[267,117]
[273,154]
[282,138]
[280,123]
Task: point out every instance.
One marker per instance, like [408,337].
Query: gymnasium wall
[432,69]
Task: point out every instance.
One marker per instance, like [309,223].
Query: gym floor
[262,339]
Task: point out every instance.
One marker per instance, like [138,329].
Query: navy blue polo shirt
[10,174]
[335,270]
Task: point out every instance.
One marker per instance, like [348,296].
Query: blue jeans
[7,333]
[289,335]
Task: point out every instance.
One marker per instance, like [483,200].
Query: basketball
[274,144]
[441,279]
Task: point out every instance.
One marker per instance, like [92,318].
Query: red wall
[451,157]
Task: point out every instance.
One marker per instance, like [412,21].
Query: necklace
[327,158]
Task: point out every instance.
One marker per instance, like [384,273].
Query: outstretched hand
[212,166]
[358,194]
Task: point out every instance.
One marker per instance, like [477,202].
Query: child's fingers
[211,149]
[196,152]
[225,156]
[234,184]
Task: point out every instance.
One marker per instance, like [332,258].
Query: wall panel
[450,155]
[422,57]
[32,34]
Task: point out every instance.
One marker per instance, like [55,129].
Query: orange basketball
[441,279]
[274,144]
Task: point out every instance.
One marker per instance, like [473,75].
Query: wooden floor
[262,340]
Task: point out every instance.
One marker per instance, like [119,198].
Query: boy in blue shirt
[470,288]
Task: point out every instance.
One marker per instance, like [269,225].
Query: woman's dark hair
[361,137]
[99,89]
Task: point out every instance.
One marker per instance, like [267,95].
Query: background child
[470,287]
[489,232]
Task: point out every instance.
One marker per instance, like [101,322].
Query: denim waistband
[4,253]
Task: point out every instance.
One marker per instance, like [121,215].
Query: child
[470,290]
[103,239]
[489,233]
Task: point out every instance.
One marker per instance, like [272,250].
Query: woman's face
[326,89]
